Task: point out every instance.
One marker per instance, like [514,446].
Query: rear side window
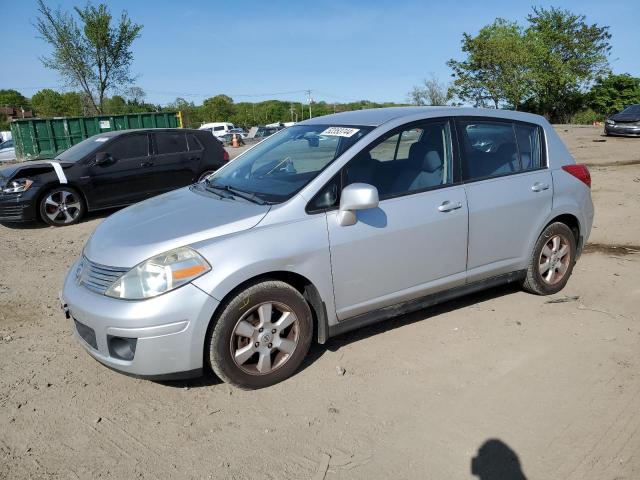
[194,143]
[218,129]
[130,146]
[171,142]
[528,137]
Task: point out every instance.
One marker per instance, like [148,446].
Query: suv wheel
[61,206]
[552,260]
[261,335]
[204,175]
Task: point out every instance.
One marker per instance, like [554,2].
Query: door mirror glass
[102,158]
[354,197]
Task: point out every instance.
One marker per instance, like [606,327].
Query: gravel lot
[557,384]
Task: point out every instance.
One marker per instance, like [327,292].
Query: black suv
[107,170]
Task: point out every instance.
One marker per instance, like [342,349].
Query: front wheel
[261,335]
[62,206]
[552,261]
[204,175]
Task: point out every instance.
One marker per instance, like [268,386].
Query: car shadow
[334,344]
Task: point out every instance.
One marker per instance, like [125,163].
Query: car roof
[377,116]
[116,133]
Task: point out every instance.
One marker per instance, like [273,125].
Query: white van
[218,128]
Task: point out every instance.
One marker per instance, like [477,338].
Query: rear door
[509,191]
[123,179]
[173,165]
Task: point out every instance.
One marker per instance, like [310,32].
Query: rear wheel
[261,336]
[552,261]
[62,206]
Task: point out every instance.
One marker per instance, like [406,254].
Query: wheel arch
[573,223]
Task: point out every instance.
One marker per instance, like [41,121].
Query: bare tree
[431,92]
[94,56]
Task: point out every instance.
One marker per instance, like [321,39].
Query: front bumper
[622,129]
[18,207]
[169,330]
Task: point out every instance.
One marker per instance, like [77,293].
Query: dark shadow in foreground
[496,461]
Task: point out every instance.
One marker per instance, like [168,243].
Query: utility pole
[309,99]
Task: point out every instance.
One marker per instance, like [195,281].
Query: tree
[567,55]
[135,95]
[47,103]
[431,92]
[613,93]
[496,68]
[96,56]
[13,98]
[219,108]
[72,104]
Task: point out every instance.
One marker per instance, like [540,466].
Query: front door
[124,178]
[415,243]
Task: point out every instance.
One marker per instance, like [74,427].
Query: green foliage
[13,98]
[613,93]
[4,125]
[585,117]
[47,103]
[218,108]
[544,68]
[497,67]
[94,56]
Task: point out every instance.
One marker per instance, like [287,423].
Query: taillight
[580,171]
[225,155]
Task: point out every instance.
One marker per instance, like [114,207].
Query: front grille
[98,278]
[12,211]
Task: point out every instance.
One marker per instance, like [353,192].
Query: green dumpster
[38,138]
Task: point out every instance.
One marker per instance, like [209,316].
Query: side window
[528,137]
[218,129]
[131,146]
[171,142]
[194,143]
[489,149]
[409,160]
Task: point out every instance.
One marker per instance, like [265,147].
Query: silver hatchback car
[332,224]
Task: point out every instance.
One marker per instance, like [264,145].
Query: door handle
[146,164]
[538,187]
[447,206]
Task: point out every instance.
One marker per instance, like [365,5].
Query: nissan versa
[326,226]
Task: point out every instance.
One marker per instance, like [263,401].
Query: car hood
[625,117]
[168,221]
[30,169]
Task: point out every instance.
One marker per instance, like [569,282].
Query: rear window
[171,142]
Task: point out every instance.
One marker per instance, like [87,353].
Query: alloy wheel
[62,207]
[265,338]
[554,259]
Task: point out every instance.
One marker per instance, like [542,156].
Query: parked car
[7,151]
[218,129]
[627,122]
[299,239]
[263,132]
[107,170]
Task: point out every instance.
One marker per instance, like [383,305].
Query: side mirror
[357,196]
[102,158]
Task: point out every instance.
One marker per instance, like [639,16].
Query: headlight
[17,186]
[159,274]
[608,121]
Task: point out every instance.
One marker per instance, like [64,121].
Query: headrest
[432,161]
[424,157]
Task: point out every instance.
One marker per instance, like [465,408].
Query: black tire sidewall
[537,283]
[41,206]
[203,174]
[219,336]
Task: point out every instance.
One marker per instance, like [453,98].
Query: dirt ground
[514,380]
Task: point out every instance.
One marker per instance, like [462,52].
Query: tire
[252,345]
[62,206]
[549,270]
[204,175]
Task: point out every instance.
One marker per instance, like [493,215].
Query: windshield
[632,109]
[277,168]
[80,150]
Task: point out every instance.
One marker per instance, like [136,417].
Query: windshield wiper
[214,189]
[252,197]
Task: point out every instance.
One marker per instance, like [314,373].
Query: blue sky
[254,50]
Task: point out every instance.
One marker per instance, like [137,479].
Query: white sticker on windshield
[101,139]
[340,131]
